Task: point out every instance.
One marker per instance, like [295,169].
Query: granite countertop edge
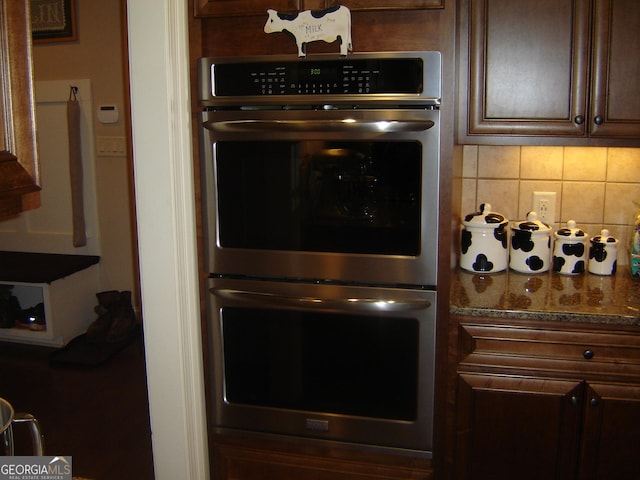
[586,299]
[565,317]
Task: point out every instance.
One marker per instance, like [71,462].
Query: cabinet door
[615,110]
[611,438]
[235,8]
[19,174]
[528,67]
[516,428]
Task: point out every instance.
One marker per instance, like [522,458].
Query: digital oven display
[358,76]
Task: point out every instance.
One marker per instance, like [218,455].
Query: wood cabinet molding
[239,8]
[546,72]
[356,5]
[234,8]
[256,458]
[19,171]
[524,60]
[515,427]
[609,410]
[615,103]
[545,399]
[538,350]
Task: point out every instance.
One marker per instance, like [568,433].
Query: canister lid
[532,224]
[485,217]
[604,238]
[571,232]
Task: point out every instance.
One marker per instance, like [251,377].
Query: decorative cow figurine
[328,25]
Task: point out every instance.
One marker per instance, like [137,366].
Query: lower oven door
[343,363]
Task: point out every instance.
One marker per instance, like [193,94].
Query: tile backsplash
[598,187]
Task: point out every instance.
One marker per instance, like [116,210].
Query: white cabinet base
[68,304]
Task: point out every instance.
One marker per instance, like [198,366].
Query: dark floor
[97,415]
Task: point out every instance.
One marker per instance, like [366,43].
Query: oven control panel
[394,73]
[304,78]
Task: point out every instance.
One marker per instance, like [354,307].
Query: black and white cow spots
[530,252]
[569,253]
[521,240]
[603,254]
[482,264]
[569,258]
[483,241]
[465,241]
[484,251]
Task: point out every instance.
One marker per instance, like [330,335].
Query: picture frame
[53,21]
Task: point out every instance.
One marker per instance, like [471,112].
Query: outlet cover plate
[544,204]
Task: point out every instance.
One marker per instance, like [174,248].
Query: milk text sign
[309,26]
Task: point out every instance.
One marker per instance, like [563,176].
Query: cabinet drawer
[565,351]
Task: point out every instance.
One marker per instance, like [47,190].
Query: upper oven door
[345,195]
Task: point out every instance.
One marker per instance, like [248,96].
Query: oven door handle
[363,305]
[343,125]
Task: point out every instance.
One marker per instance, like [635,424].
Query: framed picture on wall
[53,20]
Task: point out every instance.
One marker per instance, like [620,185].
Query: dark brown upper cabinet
[232,8]
[19,172]
[535,70]
[615,103]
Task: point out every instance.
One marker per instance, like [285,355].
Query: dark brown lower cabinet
[533,428]
[611,434]
[517,428]
[547,403]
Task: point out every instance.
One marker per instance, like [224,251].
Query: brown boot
[108,302]
[124,320]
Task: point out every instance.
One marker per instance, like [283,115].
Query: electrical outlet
[544,204]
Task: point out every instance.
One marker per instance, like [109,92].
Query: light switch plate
[111,146]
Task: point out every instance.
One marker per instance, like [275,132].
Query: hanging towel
[75,169]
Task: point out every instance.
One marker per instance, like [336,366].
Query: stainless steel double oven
[320,200]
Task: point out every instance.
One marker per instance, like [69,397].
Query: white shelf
[68,305]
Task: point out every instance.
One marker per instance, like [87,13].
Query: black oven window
[332,363]
[343,197]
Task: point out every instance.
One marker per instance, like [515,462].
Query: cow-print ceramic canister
[484,242]
[530,250]
[570,250]
[603,254]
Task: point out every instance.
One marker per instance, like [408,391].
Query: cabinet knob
[598,120]
[574,400]
[594,402]
[588,354]
[579,119]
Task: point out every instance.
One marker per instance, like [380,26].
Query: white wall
[97,55]
[49,229]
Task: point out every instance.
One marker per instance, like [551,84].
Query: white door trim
[164,192]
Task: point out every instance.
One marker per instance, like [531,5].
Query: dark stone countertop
[585,298]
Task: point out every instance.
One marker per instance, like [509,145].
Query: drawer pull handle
[588,354]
